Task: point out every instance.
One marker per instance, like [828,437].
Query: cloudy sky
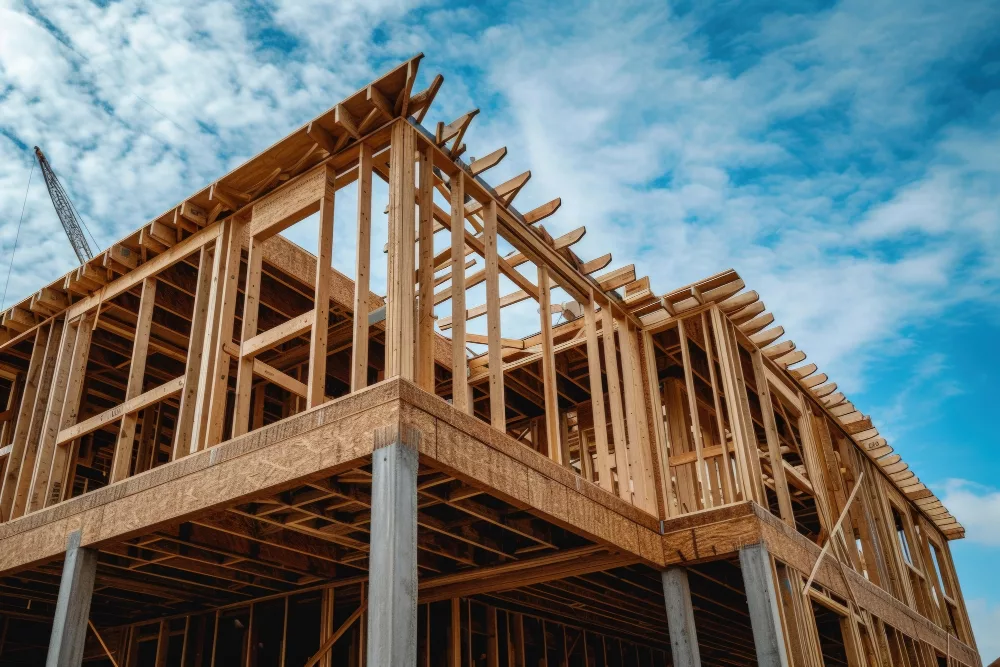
[843,157]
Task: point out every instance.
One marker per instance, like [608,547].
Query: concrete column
[392,559]
[69,627]
[762,599]
[680,618]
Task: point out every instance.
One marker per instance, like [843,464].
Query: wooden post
[597,396]
[257,413]
[69,627]
[184,427]
[400,298]
[765,620]
[753,450]
[54,349]
[326,624]
[701,491]
[743,440]
[425,277]
[57,463]
[615,397]
[635,404]
[492,649]
[659,429]
[516,656]
[211,346]
[144,452]
[45,447]
[680,618]
[727,471]
[137,371]
[498,408]
[13,400]
[549,378]
[316,385]
[32,385]
[362,262]
[586,461]
[214,385]
[251,310]
[392,569]
[455,634]
[163,643]
[773,443]
[459,364]
[564,440]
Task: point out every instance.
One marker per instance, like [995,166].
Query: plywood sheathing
[336,436]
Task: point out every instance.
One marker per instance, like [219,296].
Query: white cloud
[645,137]
[976,507]
[641,131]
[139,104]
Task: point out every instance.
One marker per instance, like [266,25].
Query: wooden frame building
[217,450]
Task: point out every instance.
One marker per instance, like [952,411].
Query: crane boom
[64,209]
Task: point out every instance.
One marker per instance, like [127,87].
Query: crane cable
[17,234]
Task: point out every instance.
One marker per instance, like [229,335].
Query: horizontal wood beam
[283,380]
[282,333]
[128,407]
[570,563]
[162,261]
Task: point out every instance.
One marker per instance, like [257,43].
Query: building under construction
[217,450]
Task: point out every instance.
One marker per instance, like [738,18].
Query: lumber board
[130,406]
[359,344]
[294,202]
[553,435]
[280,334]
[459,366]
[321,298]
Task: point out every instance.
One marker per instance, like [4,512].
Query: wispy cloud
[137,104]
[977,507]
[811,150]
[806,152]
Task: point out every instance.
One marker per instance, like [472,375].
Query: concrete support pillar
[392,560]
[680,618]
[69,627]
[762,599]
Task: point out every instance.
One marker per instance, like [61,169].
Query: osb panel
[541,488]
[292,203]
[711,540]
[333,436]
[510,448]
[474,460]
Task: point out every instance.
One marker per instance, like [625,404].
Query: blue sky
[842,156]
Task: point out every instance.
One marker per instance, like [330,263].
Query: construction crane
[64,209]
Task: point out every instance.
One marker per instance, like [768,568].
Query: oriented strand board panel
[336,435]
[483,457]
[333,436]
[290,204]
